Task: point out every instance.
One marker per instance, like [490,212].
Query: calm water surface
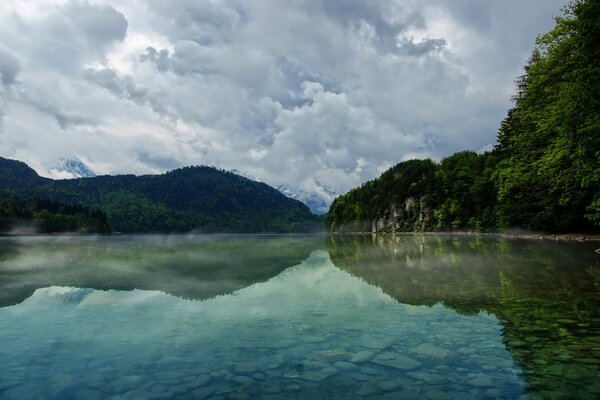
[298,317]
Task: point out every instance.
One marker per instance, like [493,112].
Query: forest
[544,172]
[45,216]
[203,199]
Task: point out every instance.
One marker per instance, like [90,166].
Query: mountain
[318,199]
[191,198]
[244,174]
[73,168]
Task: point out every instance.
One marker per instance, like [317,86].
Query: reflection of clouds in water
[188,266]
[314,285]
[302,321]
[34,260]
[314,282]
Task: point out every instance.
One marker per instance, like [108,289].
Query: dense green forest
[45,216]
[544,173]
[192,198]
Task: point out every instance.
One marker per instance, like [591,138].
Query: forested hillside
[192,198]
[544,173]
[44,216]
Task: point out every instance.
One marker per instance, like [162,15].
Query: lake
[298,317]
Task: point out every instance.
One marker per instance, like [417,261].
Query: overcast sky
[288,91]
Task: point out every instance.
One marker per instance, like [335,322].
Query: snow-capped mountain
[71,167]
[318,198]
[287,192]
[244,174]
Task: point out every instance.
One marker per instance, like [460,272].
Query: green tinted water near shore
[434,316]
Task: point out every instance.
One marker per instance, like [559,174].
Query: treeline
[193,198]
[45,216]
[544,173]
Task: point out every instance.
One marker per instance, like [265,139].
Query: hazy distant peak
[71,167]
[318,199]
[244,175]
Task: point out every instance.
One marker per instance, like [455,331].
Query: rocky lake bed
[361,319]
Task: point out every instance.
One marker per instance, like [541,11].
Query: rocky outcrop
[410,216]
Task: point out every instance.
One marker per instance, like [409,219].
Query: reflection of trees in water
[192,267]
[544,293]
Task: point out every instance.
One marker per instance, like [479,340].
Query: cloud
[291,92]
[126,88]
[9,68]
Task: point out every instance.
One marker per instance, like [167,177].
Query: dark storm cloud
[9,66]
[70,35]
[99,24]
[203,22]
[125,87]
[64,118]
[158,161]
[377,14]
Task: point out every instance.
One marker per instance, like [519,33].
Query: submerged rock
[90,394]
[241,380]
[245,368]
[292,388]
[437,394]
[429,378]
[428,350]
[400,362]
[318,376]
[126,383]
[199,381]
[203,393]
[481,381]
[388,386]
[272,389]
[344,365]
[367,390]
[334,354]
[362,356]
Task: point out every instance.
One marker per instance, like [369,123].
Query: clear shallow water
[221,317]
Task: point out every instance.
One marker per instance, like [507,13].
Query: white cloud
[292,92]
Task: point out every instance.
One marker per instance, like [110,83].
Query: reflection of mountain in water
[311,332]
[544,293]
[196,267]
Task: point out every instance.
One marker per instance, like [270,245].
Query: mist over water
[298,317]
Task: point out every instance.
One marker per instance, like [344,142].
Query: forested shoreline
[199,198]
[544,172]
[45,216]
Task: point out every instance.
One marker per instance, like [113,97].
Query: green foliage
[192,198]
[550,172]
[544,173]
[45,216]
[457,193]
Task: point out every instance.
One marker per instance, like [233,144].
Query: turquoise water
[273,317]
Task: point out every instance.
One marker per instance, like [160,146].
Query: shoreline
[576,237]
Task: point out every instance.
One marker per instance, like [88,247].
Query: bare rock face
[410,216]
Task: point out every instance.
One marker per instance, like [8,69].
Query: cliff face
[410,216]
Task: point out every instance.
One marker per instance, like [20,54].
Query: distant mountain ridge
[317,200]
[191,198]
[74,167]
